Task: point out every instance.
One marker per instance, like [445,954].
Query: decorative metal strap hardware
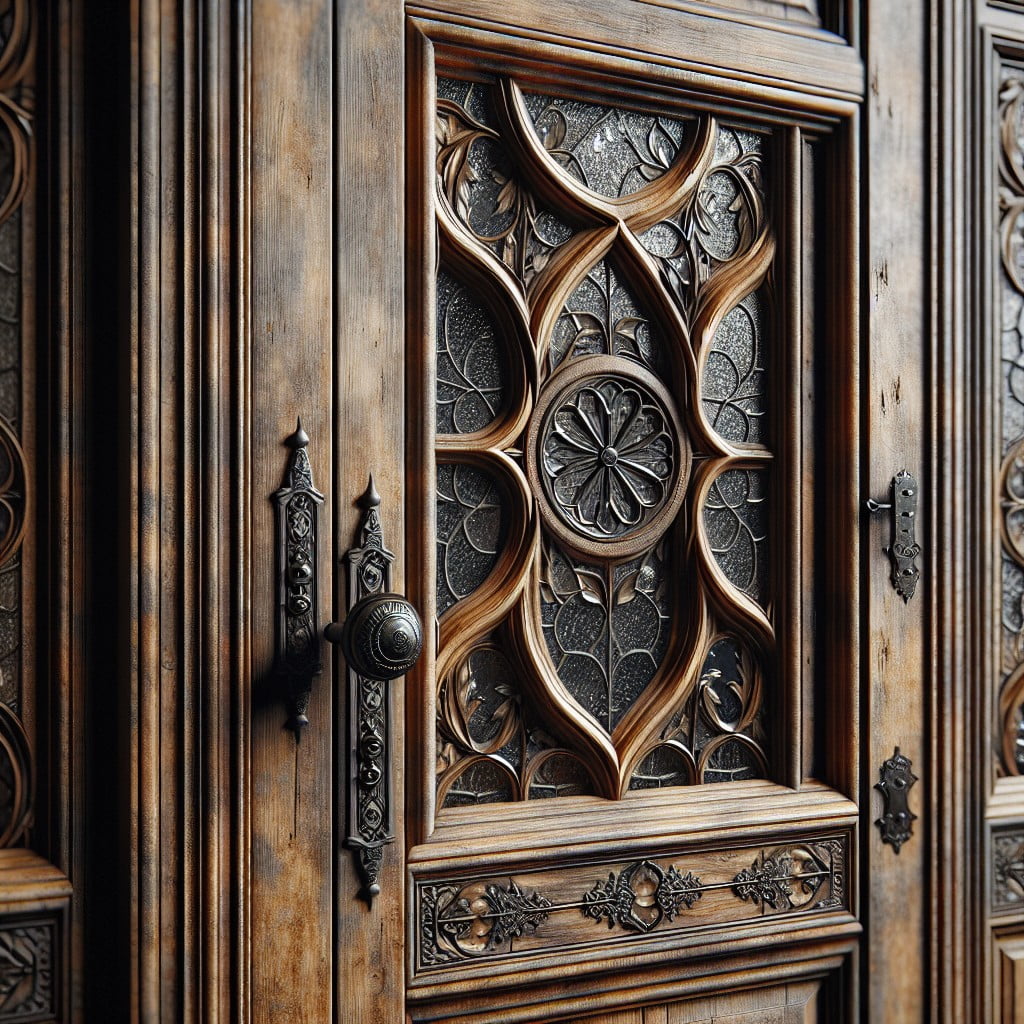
[896,823]
[904,549]
[298,657]
[381,638]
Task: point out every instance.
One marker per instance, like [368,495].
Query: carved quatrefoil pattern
[602,472]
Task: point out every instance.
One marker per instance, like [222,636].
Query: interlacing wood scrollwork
[1011,475]
[460,920]
[601,459]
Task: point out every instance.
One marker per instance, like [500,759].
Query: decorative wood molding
[185,436]
[1008,949]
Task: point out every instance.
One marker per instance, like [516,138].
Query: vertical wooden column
[895,283]
[290,362]
[370,422]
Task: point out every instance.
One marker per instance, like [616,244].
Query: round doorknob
[382,636]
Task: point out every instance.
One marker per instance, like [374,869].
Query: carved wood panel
[603,465]
[497,917]
[29,983]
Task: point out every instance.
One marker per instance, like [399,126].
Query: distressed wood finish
[281,227]
[896,259]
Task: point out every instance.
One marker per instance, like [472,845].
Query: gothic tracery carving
[622,258]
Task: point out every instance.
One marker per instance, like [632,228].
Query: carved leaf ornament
[603,386]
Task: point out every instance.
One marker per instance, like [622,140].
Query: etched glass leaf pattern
[605,627]
[732,761]
[613,152]
[481,709]
[470,529]
[1013,614]
[735,519]
[1013,366]
[703,741]
[483,781]
[732,387]
[719,226]
[560,774]
[603,317]
[471,375]
[668,764]
[481,712]
[484,189]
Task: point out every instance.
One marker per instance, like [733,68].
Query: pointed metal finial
[370,498]
[297,721]
[300,438]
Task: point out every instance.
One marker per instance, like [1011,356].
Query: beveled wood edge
[801,17]
[801,952]
[822,67]
[589,959]
[26,878]
[690,816]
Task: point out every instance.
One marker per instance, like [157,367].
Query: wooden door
[588,315]
[580,287]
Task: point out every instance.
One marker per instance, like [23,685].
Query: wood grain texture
[814,200]
[896,262]
[369,382]
[293,837]
[955,989]
[744,57]
[1009,976]
[689,979]
[278,270]
[183,676]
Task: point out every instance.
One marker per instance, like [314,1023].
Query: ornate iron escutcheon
[298,607]
[896,823]
[381,638]
[904,549]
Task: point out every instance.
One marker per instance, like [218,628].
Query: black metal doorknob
[382,637]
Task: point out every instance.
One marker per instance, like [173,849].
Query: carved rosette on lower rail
[546,911]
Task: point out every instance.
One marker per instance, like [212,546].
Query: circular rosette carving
[606,456]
